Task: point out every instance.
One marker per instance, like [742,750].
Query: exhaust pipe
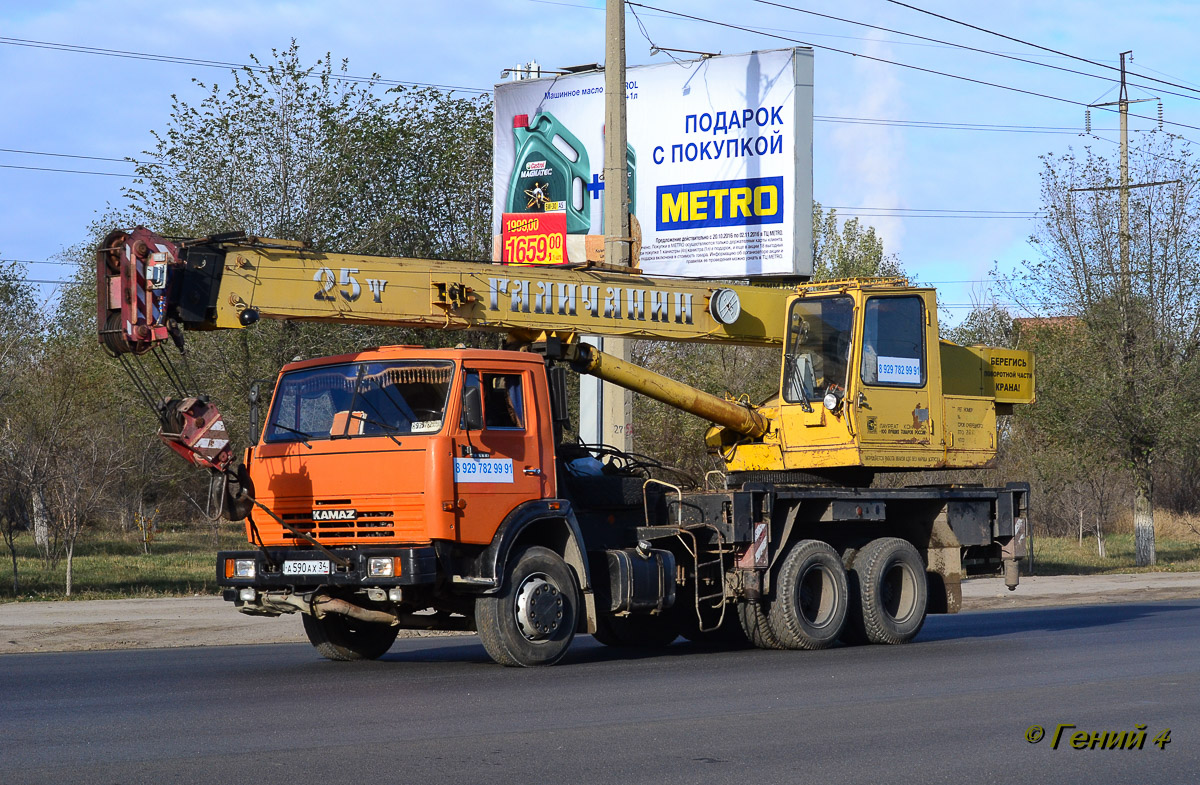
[323,604]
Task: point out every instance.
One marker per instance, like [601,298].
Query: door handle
[533,472]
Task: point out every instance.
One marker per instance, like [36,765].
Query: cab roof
[413,352]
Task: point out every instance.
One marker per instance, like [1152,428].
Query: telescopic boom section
[149,289]
[738,418]
[232,281]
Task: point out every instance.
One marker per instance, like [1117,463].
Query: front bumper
[413,567]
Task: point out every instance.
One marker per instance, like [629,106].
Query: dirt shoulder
[210,621]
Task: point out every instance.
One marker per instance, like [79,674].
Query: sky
[949,192]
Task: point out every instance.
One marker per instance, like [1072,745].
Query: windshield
[360,399]
[818,347]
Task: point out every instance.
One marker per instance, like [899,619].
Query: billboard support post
[616,403]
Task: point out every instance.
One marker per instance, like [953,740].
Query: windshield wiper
[388,430]
[303,436]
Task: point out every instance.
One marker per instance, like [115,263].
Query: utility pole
[616,403]
[616,174]
[1143,507]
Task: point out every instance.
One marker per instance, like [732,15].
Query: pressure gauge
[725,306]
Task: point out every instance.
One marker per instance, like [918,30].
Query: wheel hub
[539,608]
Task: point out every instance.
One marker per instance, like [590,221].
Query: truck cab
[397,486]
[403,445]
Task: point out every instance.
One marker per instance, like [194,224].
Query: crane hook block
[195,429]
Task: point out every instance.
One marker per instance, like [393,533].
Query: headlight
[243,568]
[380,567]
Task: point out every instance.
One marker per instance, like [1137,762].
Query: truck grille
[395,524]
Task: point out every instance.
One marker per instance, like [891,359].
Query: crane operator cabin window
[818,347]
[894,342]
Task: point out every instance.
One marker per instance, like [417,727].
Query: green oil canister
[550,171]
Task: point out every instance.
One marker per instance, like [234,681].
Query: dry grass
[111,565]
[1176,546]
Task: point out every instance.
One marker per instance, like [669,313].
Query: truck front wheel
[531,620]
[893,594]
[345,639]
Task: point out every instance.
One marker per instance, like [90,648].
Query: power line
[789,30]
[35,261]
[69,155]
[1039,46]
[953,126]
[159,58]
[946,215]
[953,45]
[66,171]
[935,72]
[934,210]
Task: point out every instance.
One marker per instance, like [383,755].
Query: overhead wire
[910,66]
[180,60]
[69,155]
[1039,46]
[953,45]
[67,171]
[953,126]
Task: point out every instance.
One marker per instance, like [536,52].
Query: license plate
[306,568]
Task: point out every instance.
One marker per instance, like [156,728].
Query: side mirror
[472,418]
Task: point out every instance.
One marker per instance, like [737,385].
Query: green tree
[18,320]
[1130,366]
[848,250]
[297,151]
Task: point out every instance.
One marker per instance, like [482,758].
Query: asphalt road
[952,707]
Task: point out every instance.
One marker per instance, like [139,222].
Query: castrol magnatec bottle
[550,171]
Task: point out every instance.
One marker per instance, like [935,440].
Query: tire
[344,639]
[811,597]
[757,626]
[853,632]
[531,620]
[893,593]
[636,632]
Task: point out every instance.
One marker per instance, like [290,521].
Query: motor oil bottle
[550,171]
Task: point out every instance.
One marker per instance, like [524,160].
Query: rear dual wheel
[810,604]
[811,597]
[892,599]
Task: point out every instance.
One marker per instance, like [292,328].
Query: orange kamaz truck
[410,488]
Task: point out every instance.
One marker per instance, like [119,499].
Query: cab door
[498,454]
[891,407]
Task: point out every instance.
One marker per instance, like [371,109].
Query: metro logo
[749,202]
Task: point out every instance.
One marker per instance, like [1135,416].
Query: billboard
[720,166]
